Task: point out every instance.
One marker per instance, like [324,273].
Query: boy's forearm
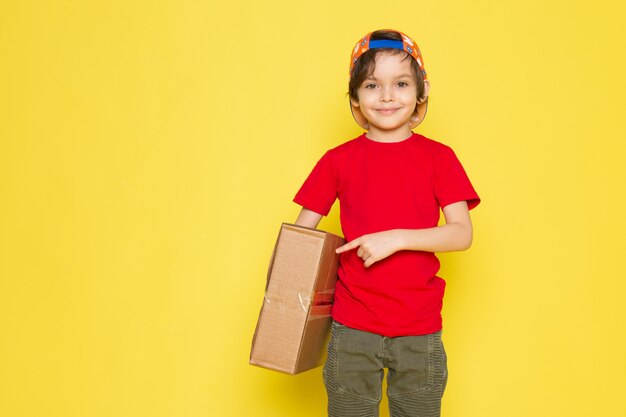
[446,238]
[308,218]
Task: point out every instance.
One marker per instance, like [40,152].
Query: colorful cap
[406,44]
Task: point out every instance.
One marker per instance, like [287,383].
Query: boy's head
[363,65]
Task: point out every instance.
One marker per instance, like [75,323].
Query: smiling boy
[391,184]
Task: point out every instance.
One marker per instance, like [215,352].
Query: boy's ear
[354,102]
[426,91]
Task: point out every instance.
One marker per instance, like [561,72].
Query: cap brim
[362,121]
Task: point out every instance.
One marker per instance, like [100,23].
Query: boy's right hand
[375,247]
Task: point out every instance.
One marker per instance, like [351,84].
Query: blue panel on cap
[386,43]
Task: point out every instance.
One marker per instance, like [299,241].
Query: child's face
[387,98]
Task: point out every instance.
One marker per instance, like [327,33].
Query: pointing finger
[348,246]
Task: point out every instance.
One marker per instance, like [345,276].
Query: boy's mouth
[386,111]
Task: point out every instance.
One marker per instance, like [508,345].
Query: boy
[391,183]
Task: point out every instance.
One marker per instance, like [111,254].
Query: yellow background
[151,149]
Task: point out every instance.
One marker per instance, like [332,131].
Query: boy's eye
[403,84]
[370,86]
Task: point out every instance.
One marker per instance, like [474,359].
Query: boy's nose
[386,94]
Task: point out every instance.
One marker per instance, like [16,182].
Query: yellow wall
[150,150]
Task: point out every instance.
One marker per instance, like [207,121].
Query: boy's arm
[308,218]
[455,235]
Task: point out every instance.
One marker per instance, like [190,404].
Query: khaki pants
[417,373]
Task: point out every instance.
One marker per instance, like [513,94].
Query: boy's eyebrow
[371,77]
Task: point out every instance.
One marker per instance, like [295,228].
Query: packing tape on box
[277,303]
[320,298]
[322,302]
[321,311]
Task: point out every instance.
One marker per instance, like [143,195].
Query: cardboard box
[295,317]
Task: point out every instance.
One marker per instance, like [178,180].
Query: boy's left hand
[375,246]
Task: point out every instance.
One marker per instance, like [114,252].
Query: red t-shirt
[383,186]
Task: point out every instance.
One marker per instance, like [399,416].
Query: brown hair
[366,64]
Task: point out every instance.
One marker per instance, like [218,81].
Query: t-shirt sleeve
[451,181]
[319,191]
